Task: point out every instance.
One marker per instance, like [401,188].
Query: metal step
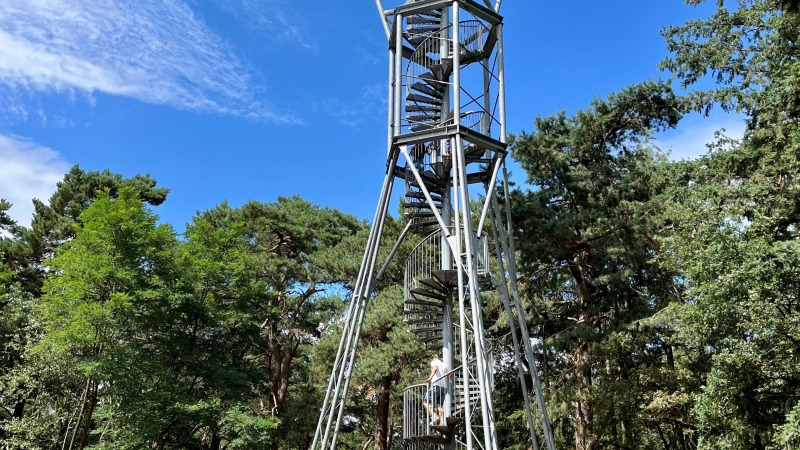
[422,19]
[442,168]
[433,82]
[425,88]
[436,340]
[437,329]
[442,69]
[473,38]
[423,28]
[413,107]
[431,439]
[437,13]
[432,283]
[420,322]
[424,126]
[415,206]
[418,215]
[416,202]
[425,224]
[423,99]
[427,119]
[432,182]
[420,195]
[449,425]
[415,301]
[427,293]
[447,277]
[416,312]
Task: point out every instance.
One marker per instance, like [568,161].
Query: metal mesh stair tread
[431,438]
[417,194]
[432,13]
[423,99]
[422,108]
[419,205]
[422,303]
[427,293]
[449,426]
[442,168]
[423,125]
[429,120]
[423,312]
[433,81]
[425,88]
[424,29]
[422,19]
[426,330]
[418,215]
[448,277]
[432,182]
[433,284]
[422,227]
[422,321]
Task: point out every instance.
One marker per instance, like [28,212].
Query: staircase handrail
[426,257]
[416,419]
[473,33]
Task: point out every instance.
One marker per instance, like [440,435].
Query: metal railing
[417,420]
[427,257]
[432,63]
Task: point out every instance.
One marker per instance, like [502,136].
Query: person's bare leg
[428,407]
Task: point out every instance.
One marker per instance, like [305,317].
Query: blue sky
[251,99]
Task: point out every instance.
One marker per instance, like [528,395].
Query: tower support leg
[330,417]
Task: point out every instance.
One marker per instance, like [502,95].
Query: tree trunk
[584,411]
[382,433]
[80,414]
[758,445]
[677,427]
[19,409]
[216,441]
[281,365]
[88,423]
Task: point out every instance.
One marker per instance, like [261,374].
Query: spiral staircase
[447,129]
[427,284]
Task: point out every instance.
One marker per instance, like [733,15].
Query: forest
[664,296]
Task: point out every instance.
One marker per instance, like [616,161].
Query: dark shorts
[435,395]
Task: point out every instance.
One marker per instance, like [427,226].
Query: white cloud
[156,51]
[353,113]
[271,19]
[27,171]
[690,140]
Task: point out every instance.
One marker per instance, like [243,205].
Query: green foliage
[273,270]
[735,227]
[245,431]
[665,295]
[52,222]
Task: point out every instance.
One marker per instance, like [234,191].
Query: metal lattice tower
[446,133]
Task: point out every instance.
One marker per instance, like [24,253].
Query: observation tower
[446,141]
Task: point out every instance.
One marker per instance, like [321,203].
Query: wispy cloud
[690,140]
[352,113]
[156,51]
[272,19]
[27,171]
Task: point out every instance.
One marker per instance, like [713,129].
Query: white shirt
[441,371]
